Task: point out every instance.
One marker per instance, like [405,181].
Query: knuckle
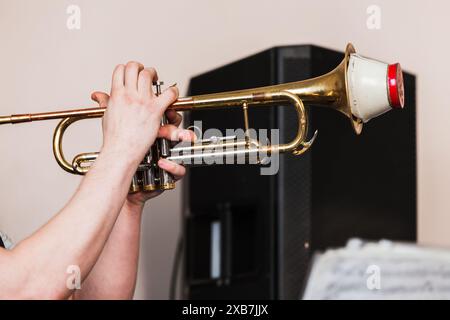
[145,73]
[119,68]
[175,92]
[126,98]
[171,94]
[132,64]
[151,70]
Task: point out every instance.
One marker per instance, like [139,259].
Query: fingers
[177,170]
[132,70]
[145,82]
[173,133]
[101,98]
[118,79]
[174,117]
[168,97]
[135,78]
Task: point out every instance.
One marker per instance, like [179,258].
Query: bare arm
[36,268]
[114,275]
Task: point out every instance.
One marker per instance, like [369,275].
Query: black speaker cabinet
[251,236]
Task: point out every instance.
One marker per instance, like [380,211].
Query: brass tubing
[58,149]
[329,90]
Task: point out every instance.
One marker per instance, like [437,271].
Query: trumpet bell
[359,87]
[373,87]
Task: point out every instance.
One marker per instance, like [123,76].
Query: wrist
[119,157]
[116,164]
[133,207]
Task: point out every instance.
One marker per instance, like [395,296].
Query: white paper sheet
[382,270]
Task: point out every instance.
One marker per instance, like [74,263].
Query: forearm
[37,267]
[114,274]
[75,236]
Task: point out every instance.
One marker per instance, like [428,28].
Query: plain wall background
[45,67]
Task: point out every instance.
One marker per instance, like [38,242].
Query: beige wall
[44,66]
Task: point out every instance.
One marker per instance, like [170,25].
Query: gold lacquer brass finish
[329,90]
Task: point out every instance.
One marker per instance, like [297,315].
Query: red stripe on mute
[395,86]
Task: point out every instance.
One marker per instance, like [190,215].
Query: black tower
[251,236]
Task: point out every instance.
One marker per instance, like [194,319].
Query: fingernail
[174,85]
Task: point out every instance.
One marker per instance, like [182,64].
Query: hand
[132,119]
[171,132]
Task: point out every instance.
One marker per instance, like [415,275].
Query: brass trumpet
[360,88]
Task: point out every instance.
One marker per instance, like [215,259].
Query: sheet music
[383,270]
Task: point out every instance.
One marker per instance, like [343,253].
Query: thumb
[101,98]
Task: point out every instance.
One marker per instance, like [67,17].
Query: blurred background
[46,66]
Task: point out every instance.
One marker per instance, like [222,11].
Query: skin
[98,229]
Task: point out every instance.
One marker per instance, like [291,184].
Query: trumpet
[359,87]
